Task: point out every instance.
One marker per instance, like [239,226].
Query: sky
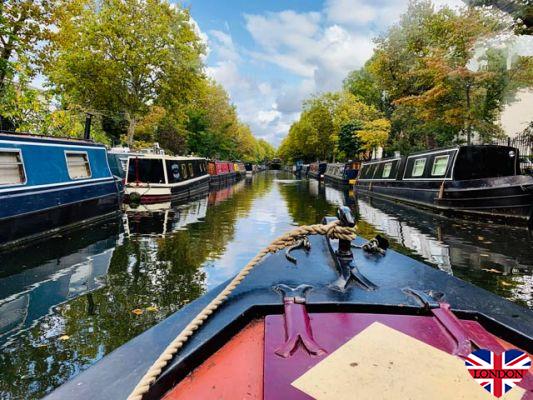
[270,55]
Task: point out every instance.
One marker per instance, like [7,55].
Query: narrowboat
[324,319]
[221,172]
[117,157]
[478,181]
[342,174]
[240,169]
[153,178]
[317,170]
[48,185]
[251,168]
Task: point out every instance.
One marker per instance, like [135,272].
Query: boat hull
[506,199]
[38,225]
[336,181]
[222,179]
[169,193]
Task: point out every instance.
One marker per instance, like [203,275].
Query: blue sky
[271,55]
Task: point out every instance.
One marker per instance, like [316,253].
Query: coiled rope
[332,230]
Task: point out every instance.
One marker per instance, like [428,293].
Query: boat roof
[440,149]
[165,157]
[28,137]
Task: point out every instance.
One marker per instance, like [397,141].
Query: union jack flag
[498,373]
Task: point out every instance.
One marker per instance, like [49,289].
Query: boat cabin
[49,184]
[475,181]
[457,163]
[165,170]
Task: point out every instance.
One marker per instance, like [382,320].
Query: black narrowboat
[479,181]
[251,168]
[329,319]
[342,174]
[160,178]
[317,170]
[48,185]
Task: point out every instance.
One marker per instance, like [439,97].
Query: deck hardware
[297,322]
[434,301]
[302,243]
[378,245]
[345,260]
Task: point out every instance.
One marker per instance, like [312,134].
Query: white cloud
[314,50]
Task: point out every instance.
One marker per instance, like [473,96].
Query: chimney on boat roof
[87,132]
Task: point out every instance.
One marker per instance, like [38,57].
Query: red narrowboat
[221,172]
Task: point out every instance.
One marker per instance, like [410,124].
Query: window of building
[11,168]
[418,167]
[439,165]
[78,165]
[191,171]
[386,170]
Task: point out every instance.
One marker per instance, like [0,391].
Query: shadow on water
[67,302]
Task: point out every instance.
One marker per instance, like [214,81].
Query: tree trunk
[131,129]
[468,124]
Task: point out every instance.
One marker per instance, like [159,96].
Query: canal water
[67,302]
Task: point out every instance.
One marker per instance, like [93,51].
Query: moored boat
[153,178]
[317,170]
[316,320]
[48,185]
[221,172]
[478,181]
[251,168]
[240,169]
[342,174]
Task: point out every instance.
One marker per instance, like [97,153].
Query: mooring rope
[332,230]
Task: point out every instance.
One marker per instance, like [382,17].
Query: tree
[124,56]
[349,141]
[316,135]
[23,24]
[423,64]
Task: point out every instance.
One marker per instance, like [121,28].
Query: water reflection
[499,259]
[66,303]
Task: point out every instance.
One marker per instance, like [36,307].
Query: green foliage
[316,135]
[349,141]
[432,81]
[135,65]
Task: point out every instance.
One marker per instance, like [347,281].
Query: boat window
[78,165]
[11,168]
[191,172]
[386,170]
[418,167]
[183,171]
[173,171]
[439,165]
[145,170]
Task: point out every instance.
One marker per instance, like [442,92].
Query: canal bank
[76,298]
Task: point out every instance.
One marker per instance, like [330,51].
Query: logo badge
[498,373]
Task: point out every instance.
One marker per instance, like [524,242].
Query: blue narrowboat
[48,185]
